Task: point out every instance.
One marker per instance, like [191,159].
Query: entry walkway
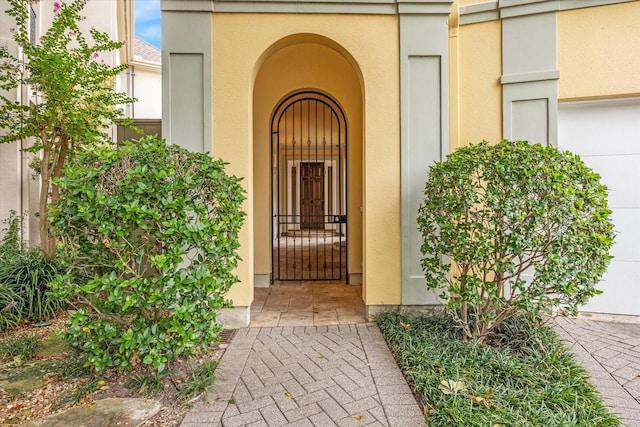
[311,359]
[332,375]
[610,351]
[307,304]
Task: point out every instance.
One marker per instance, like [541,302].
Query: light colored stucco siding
[10,164]
[480,69]
[147,91]
[598,51]
[372,42]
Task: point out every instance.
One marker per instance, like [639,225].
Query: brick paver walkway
[345,375]
[611,353]
[340,375]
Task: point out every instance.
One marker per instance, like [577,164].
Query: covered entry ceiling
[308,186]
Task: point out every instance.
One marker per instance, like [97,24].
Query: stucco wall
[480,63]
[372,46]
[10,163]
[598,51]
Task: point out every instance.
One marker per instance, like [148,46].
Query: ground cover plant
[24,279]
[523,377]
[513,227]
[155,228]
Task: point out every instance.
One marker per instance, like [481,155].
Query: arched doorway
[309,188]
[297,67]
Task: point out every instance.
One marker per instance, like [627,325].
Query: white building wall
[147,89]
[15,175]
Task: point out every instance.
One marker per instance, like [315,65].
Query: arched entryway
[307,184]
[309,188]
[298,80]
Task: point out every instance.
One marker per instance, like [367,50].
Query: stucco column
[529,71]
[187,97]
[187,103]
[424,115]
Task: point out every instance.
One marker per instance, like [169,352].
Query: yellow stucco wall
[480,68]
[242,43]
[598,51]
[469,2]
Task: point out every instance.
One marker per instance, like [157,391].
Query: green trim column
[529,71]
[187,83]
[424,115]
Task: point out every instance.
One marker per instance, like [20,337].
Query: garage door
[606,134]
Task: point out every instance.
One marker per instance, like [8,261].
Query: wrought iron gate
[308,185]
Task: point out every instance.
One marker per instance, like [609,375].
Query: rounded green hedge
[513,226]
[155,228]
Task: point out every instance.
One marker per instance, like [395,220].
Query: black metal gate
[308,185]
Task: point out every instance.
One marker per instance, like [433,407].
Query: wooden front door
[312,196]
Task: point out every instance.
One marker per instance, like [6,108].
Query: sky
[148,24]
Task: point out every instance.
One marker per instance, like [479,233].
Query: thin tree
[73,101]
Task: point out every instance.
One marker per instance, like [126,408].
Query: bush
[24,279]
[12,242]
[156,227]
[513,227]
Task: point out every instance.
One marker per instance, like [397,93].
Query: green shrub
[24,288]
[156,228]
[12,242]
[24,279]
[513,227]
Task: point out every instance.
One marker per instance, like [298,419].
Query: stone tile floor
[307,304]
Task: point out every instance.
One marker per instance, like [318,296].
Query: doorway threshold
[307,303]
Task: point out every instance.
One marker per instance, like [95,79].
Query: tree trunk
[50,167]
[47,244]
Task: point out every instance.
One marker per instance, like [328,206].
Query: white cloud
[147,33]
[148,21]
[147,9]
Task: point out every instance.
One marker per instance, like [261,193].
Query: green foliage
[72,102]
[528,380]
[147,383]
[24,279]
[23,346]
[202,377]
[495,214]
[156,227]
[12,242]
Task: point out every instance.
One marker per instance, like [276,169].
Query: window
[32,25]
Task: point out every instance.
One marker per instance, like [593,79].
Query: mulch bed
[46,400]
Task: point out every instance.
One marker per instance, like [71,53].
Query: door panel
[312,196]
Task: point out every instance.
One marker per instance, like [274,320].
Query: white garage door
[606,134]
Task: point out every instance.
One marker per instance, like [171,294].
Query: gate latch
[340,219]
